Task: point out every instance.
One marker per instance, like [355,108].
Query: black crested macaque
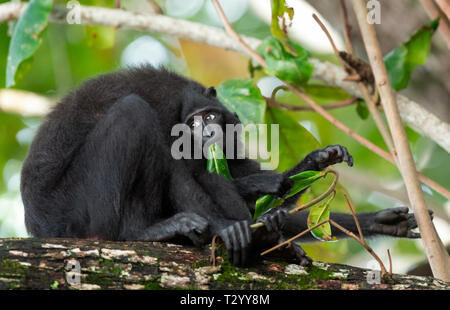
[100,167]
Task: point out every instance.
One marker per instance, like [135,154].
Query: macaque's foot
[237,238]
[396,222]
[297,252]
[331,155]
[274,219]
[193,227]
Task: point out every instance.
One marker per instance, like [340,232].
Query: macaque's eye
[196,123]
[210,117]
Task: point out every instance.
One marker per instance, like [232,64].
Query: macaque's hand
[332,154]
[237,238]
[192,226]
[295,251]
[396,222]
[274,219]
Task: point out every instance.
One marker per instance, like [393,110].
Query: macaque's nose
[207,132]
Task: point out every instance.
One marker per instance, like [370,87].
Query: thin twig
[445,7]
[437,255]
[155,7]
[390,262]
[361,239]
[276,90]
[353,211]
[434,12]
[212,257]
[363,243]
[237,37]
[336,51]
[293,238]
[347,27]
[337,105]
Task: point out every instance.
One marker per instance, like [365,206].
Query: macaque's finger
[196,239]
[200,225]
[400,210]
[390,216]
[268,223]
[224,235]
[244,241]
[236,246]
[347,157]
[304,260]
[412,222]
[385,229]
[413,235]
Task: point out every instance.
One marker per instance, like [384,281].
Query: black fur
[100,167]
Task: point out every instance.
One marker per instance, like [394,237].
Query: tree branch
[412,113]
[43,264]
[24,103]
[435,250]
[434,12]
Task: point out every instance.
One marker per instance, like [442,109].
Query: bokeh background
[70,54]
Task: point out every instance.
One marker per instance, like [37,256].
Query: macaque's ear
[210,92]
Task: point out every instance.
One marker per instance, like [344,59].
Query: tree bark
[48,264]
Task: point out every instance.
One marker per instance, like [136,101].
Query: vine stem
[437,256]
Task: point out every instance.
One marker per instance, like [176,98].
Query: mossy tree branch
[42,264]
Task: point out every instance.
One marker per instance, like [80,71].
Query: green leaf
[217,163]
[301,181]
[54,285]
[282,64]
[266,203]
[317,214]
[244,98]
[100,37]
[401,62]
[26,37]
[279,12]
[362,110]
[294,143]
